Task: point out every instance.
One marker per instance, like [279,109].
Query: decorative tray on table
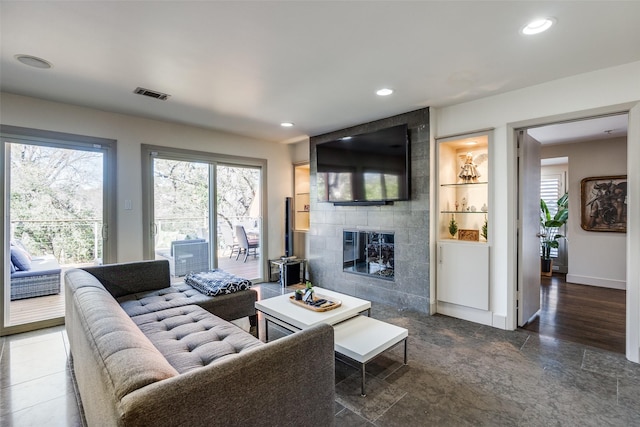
[320,303]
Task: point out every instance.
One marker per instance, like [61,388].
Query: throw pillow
[20,259]
[13,268]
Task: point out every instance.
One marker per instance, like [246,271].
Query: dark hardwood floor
[583,314]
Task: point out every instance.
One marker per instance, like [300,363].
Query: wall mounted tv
[370,168]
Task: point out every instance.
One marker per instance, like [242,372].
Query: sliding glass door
[181,214]
[56,219]
[238,219]
[203,211]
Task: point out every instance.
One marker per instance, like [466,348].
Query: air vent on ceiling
[152,93]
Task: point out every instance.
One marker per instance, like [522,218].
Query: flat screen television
[370,168]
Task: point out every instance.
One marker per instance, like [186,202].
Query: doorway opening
[584,299]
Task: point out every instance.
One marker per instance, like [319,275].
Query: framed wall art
[603,203]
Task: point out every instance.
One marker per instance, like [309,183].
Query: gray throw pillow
[20,259]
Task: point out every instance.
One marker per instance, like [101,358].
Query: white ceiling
[596,128]
[244,67]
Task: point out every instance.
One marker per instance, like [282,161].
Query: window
[551,189]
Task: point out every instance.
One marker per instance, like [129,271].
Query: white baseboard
[499,321]
[433,308]
[596,281]
[465,313]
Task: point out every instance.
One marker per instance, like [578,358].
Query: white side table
[363,338]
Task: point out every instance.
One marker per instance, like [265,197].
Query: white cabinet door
[463,274]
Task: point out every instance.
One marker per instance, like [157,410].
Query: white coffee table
[281,311]
[359,338]
[362,338]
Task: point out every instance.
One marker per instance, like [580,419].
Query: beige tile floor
[459,374]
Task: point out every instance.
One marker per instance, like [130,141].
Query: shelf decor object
[469,235]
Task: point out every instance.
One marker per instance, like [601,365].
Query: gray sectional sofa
[144,352]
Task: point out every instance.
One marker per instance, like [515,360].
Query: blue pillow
[20,259]
[13,268]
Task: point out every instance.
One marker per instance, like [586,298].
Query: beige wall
[130,132]
[595,258]
[299,151]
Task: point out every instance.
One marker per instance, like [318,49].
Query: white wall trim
[499,321]
[465,313]
[633,236]
[596,281]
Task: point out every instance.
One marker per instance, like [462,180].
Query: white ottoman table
[362,338]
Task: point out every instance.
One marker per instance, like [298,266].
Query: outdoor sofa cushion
[20,259]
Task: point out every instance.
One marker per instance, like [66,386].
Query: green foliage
[56,201]
[453,226]
[485,227]
[181,197]
[549,226]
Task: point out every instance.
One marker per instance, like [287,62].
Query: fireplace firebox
[369,252]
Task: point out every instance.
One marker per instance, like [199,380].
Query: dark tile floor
[459,373]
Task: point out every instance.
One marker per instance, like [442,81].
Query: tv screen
[368,168]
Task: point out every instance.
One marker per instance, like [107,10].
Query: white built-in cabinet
[463,221]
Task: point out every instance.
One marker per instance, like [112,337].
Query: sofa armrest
[285,382]
[133,277]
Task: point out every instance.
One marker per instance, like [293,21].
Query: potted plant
[549,227]
[485,228]
[308,292]
[453,226]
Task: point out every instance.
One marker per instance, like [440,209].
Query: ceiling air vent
[152,93]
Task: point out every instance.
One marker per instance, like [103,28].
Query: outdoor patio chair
[187,256]
[230,241]
[246,246]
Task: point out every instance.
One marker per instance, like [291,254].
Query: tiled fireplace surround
[409,221]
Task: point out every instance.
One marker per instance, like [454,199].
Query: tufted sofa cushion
[190,337]
[177,295]
[122,350]
[228,307]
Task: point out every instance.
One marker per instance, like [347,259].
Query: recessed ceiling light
[346,138]
[34,61]
[538,26]
[286,124]
[384,92]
